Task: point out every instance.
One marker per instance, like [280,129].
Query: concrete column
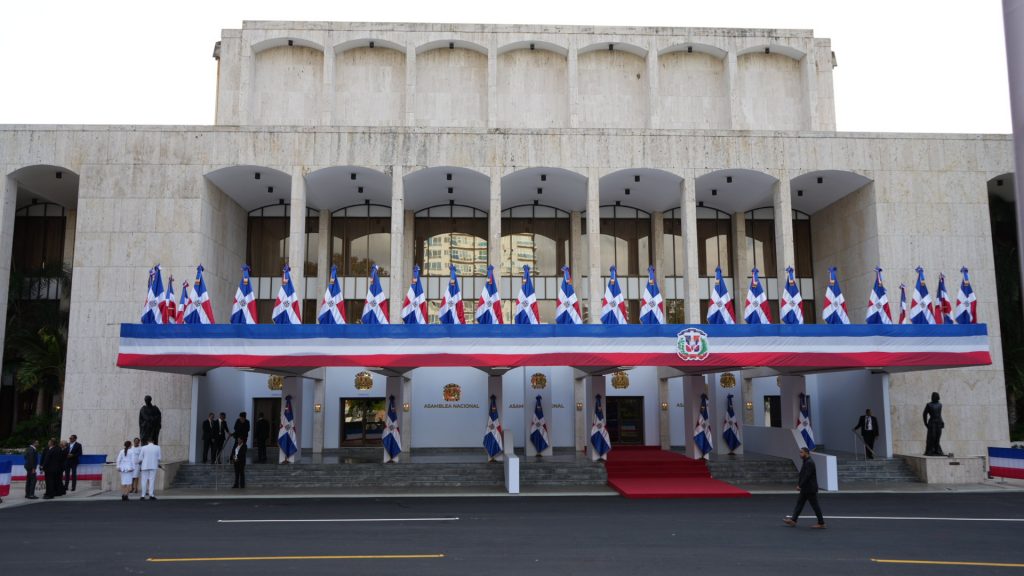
[492,83]
[732,85]
[410,85]
[401,388]
[741,264]
[297,232]
[657,256]
[809,70]
[529,402]
[193,437]
[693,387]
[494,388]
[664,422]
[398,230]
[404,277]
[594,244]
[247,70]
[576,245]
[691,274]
[70,224]
[328,95]
[785,254]
[790,389]
[747,391]
[596,385]
[293,387]
[323,256]
[579,393]
[494,228]
[8,204]
[653,99]
[574,85]
[319,399]
[1013,25]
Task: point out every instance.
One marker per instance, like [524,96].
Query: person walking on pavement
[238,459]
[71,463]
[868,426]
[260,434]
[808,486]
[150,461]
[31,465]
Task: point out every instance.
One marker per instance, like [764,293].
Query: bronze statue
[149,422]
[933,422]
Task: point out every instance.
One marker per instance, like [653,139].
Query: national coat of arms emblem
[692,344]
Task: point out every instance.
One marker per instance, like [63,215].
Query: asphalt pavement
[905,533]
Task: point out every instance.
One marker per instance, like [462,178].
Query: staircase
[410,475]
[877,471]
[753,470]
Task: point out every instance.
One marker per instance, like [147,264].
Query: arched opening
[360,239]
[771,89]
[267,250]
[451,86]
[612,86]
[538,236]
[369,85]
[286,86]
[450,234]
[625,244]
[694,87]
[533,87]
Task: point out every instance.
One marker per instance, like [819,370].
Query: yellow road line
[254,558]
[944,563]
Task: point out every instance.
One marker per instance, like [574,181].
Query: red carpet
[650,472]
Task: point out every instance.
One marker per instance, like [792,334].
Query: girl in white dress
[126,466]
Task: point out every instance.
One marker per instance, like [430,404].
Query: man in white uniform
[150,461]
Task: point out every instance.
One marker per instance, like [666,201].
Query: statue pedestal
[945,470]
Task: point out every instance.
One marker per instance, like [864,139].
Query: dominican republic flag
[151,313]
[492,436]
[903,304]
[286,307]
[1002,462]
[414,308]
[878,302]
[488,307]
[943,306]
[375,311]
[527,311]
[185,305]
[568,311]
[702,432]
[599,438]
[652,307]
[169,307]
[392,438]
[243,311]
[539,429]
[756,310]
[921,309]
[731,427]
[200,308]
[452,310]
[720,309]
[834,311]
[613,306]
[5,478]
[803,424]
[792,309]
[286,435]
[332,309]
[966,302]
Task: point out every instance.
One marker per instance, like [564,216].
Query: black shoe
[152,497]
[31,497]
[124,497]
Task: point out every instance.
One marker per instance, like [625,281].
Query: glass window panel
[675,311]
[268,245]
[803,267]
[761,245]
[442,238]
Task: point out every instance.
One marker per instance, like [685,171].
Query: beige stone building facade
[400,144]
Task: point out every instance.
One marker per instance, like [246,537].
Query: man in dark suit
[242,426]
[71,462]
[31,464]
[209,435]
[221,432]
[238,459]
[808,487]
[53,465]
[868,426]
[260,434]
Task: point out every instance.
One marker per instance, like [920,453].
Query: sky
[904,65]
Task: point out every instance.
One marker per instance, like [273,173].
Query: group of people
[216,433]
[58,463]
[137,462]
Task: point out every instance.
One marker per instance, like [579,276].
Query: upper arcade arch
[289,41]
[534,45]
[692,47]
[451,44]
[813,191]
[648,189]
[555,187]
[735,190]
[340,186]
[252,186]
[46,182]
[370,42]
[447,184]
